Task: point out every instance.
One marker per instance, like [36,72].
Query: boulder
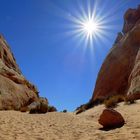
[111,119]
[39,106]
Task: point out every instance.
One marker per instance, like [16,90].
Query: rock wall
[120,72]
[15,90]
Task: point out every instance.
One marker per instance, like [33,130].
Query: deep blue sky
[63,67]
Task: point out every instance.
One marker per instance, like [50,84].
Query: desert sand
[16,125]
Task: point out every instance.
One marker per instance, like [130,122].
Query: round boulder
[111,119]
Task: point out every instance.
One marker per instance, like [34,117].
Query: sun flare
[90,27]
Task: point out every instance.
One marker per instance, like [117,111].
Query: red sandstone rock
[15,90]
[131,18]
[111,119]
[119,37]
[120,72]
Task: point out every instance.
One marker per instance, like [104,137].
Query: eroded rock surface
[120,72]
[131,18]
[15,90]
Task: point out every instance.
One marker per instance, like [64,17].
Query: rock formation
[120,72]
[15,90]
[38,107]
[111,119]
[131,18]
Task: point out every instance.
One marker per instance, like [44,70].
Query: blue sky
[49,51]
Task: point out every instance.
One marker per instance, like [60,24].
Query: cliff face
[15,90]
[120,72]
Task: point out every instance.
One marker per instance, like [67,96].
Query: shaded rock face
[131,18]
[120,72]
[39,106]
[15,90]
[111,119]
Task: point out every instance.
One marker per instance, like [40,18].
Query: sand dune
[68,126]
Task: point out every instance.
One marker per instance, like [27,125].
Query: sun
[89,24]
[90,27]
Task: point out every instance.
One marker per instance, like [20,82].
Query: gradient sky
[49,51]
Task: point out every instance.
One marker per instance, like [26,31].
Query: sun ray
[90,21]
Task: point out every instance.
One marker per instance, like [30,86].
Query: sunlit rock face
[120,72]
[134,80]
[15,90]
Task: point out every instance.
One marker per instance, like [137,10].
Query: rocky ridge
[15,90]
[120,72]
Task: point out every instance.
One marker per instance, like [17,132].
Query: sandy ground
[68,126]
